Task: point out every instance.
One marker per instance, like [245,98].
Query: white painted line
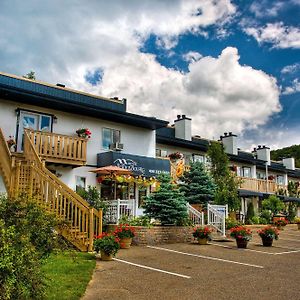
[206,257]
[150,268]
[287,252]
[290,240]
[243,249]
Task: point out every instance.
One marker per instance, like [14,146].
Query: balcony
[58,148]
[261,185]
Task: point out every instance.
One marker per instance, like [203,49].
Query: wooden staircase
[28,175]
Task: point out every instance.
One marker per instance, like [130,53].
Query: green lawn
[68,274]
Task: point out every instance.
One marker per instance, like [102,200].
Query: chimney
[229,142]
[289,163]
[264,153]
[183,128]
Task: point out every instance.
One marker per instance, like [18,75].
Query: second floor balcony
[261,185]
[58,148]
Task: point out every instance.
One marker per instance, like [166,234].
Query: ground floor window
[80,183]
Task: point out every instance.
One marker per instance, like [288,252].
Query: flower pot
[125,243]
[105,256]
[267,242]
[241,243]
[202,241]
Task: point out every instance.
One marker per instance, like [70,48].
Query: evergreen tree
[167,204]
[198,186]
[227,183]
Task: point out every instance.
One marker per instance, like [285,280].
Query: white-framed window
[246,171]
[199,158]
[80,182]
[161,153]
[280,179]
[110,136]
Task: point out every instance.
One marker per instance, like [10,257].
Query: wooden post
[30,181]
[17,181]
[91,230]
[100,221]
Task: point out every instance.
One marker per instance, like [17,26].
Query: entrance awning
[138,165]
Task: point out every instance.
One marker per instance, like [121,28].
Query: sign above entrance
[138,165]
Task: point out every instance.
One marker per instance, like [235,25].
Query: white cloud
[291,68]
[266,8]
[62,45]
[294,88]
[192,56]
[278,34]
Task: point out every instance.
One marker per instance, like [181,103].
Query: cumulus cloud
[266,8]
[294,88]
[192,56]
[102,41]
[290,69]
[278,34]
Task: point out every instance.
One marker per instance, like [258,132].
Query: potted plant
[297,221]
[242,235]
[268,234]
[202,234]
[280,223]
[107,244]
[84,133]
[125,233]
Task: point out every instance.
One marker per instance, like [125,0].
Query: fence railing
[216,216]
[195,216]
[118,208]
[55,147]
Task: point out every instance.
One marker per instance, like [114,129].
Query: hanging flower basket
[84,133]
[175,156]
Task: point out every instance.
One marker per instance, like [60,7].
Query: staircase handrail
[195,212]
[6,161]
[29,148]
[221,218]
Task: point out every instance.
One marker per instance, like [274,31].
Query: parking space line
[242,249]
[150,268]
[207,257]
[287,252]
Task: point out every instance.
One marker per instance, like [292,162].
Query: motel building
[51,160]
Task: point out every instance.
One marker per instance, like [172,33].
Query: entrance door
[32,121]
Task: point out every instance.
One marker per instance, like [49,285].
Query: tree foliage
[292,151]
[30,75]
[167,204]
[26,236]
[197,186]
[226,182]
[274,204]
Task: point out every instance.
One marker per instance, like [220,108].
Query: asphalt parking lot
[190,271]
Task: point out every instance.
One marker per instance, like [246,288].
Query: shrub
[230,223]
[274,204]
[135,221]
[266,215]
[26,236]
[167,204]
[250,213]
[255,220]
[263,221]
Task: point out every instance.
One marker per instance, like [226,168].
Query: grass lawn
[68,274]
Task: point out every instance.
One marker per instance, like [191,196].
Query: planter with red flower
[242,235]
[280,223]
[107,244]
[268,234]
[84,133]
[125,233]
[202,234]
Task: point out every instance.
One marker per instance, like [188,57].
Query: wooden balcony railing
[261,185]
[58,148]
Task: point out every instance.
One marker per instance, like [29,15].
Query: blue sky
[229,65]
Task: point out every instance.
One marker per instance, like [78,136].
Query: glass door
[32,121]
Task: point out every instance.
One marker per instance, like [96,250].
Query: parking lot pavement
[192,271]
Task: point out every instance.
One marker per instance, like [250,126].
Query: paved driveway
[192,271]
